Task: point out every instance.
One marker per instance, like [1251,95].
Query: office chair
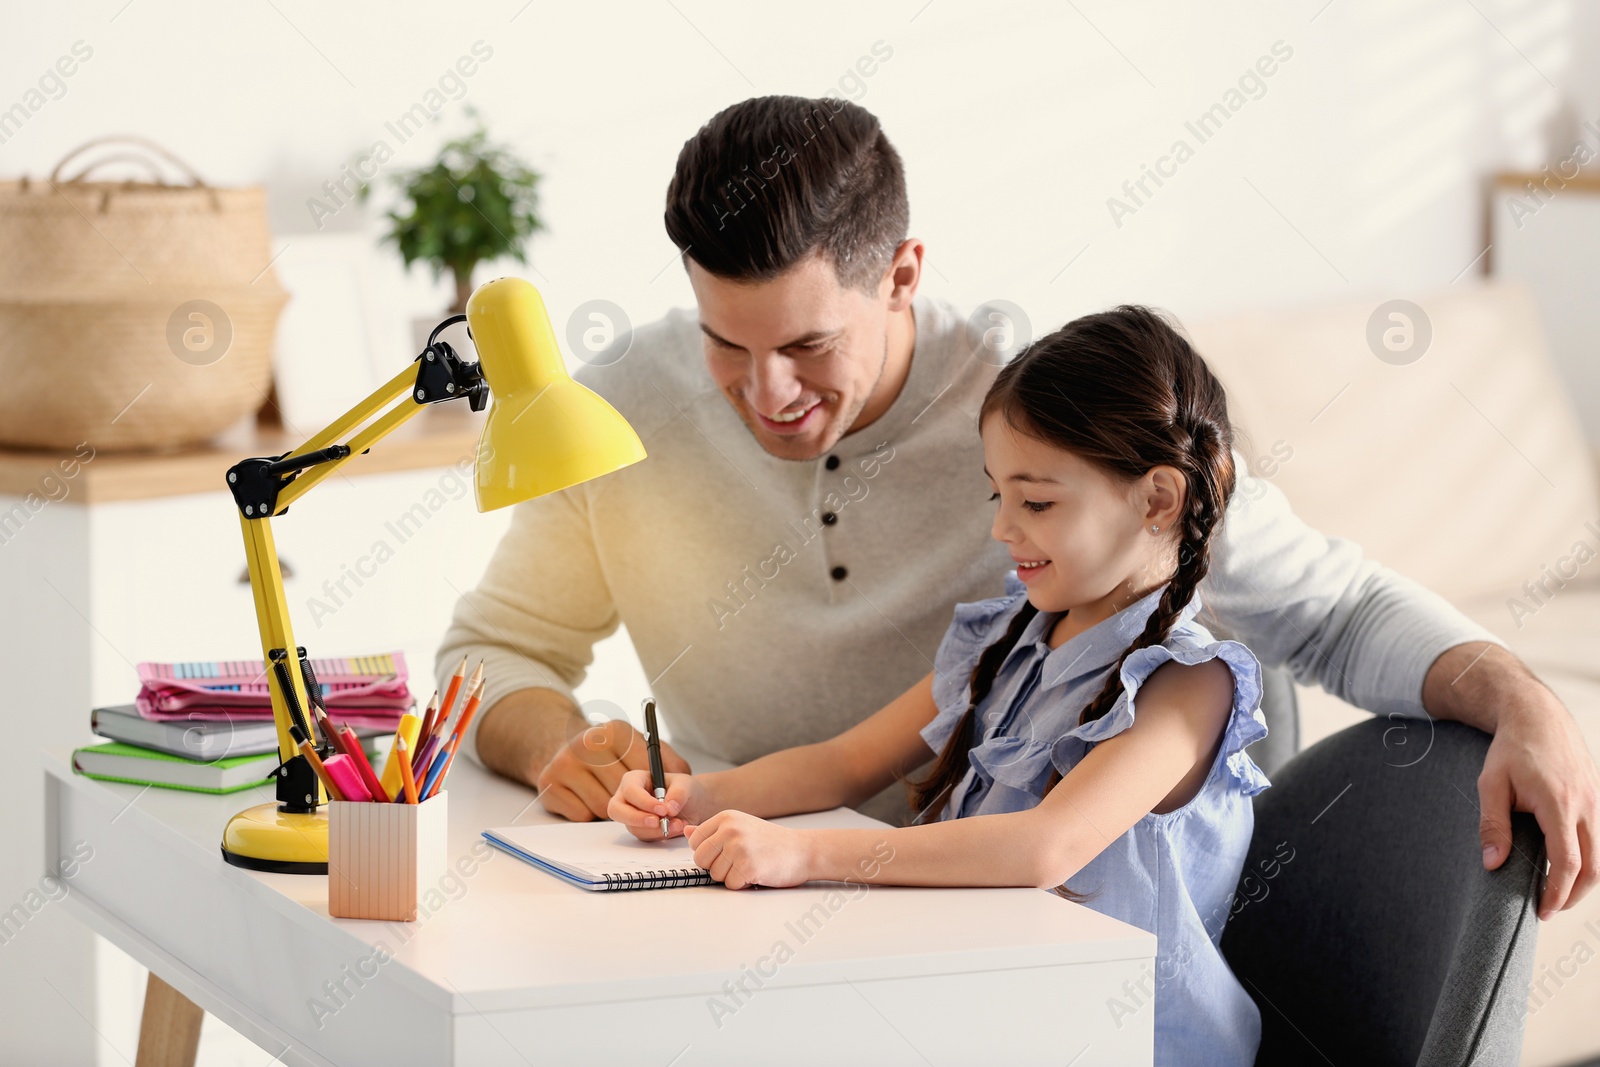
[1365,926]
[1281,708]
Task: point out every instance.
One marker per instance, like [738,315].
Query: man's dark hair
[769,181]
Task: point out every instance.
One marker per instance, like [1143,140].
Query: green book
[117,762]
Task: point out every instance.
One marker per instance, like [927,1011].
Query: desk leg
[169,1033]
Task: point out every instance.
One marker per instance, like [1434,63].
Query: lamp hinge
[256,483]
[442,375]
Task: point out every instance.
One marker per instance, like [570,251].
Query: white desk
[515,967]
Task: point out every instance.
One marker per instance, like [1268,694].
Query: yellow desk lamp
[544,432]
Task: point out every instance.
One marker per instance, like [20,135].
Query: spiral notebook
[601,855]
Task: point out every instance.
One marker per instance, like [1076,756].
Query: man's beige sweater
[776,603]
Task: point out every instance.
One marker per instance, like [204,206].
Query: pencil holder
[381,856]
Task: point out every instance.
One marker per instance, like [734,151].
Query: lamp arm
[265,486]
[585,438]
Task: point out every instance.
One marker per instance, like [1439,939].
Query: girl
[1090,733]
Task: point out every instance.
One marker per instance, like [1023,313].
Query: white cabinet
[371,567]
[90,585]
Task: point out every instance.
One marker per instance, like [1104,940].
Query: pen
[658,777]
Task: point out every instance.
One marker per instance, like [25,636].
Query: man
[787,559]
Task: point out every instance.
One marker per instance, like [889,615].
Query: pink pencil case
[354,688]
[357,718]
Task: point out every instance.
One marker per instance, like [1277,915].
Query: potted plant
[476,202]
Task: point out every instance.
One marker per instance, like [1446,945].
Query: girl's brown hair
[1126,392]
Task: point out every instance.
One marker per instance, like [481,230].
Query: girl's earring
[1155,529]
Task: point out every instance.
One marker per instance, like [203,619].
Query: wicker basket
[133,315]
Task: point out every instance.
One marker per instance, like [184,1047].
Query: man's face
[798,356]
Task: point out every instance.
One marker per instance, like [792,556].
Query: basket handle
[142,150]
[125,139]
[151,170]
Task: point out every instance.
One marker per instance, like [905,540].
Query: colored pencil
[322,772]
[329,731]
[408,781]
[442,762]
[474,694]
[358,757]
[436,774]
[451,691]
[423,756]
[427,720]
[325,724]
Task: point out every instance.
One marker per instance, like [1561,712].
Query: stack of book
[208,727]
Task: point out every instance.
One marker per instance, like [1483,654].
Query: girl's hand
[741,850]
[635,806]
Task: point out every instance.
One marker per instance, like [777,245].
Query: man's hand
[1537,762]
[538,737]
[578,782]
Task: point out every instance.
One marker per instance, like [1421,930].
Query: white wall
[1357,171]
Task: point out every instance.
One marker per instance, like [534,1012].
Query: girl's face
[1081,539]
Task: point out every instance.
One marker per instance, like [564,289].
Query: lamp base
[263,838]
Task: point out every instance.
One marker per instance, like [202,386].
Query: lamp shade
[544,431]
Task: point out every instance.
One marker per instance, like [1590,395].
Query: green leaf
[477,201]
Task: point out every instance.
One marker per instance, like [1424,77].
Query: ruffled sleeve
[974,628]
[1246,722]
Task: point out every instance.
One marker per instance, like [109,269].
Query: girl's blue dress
[1172,874]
